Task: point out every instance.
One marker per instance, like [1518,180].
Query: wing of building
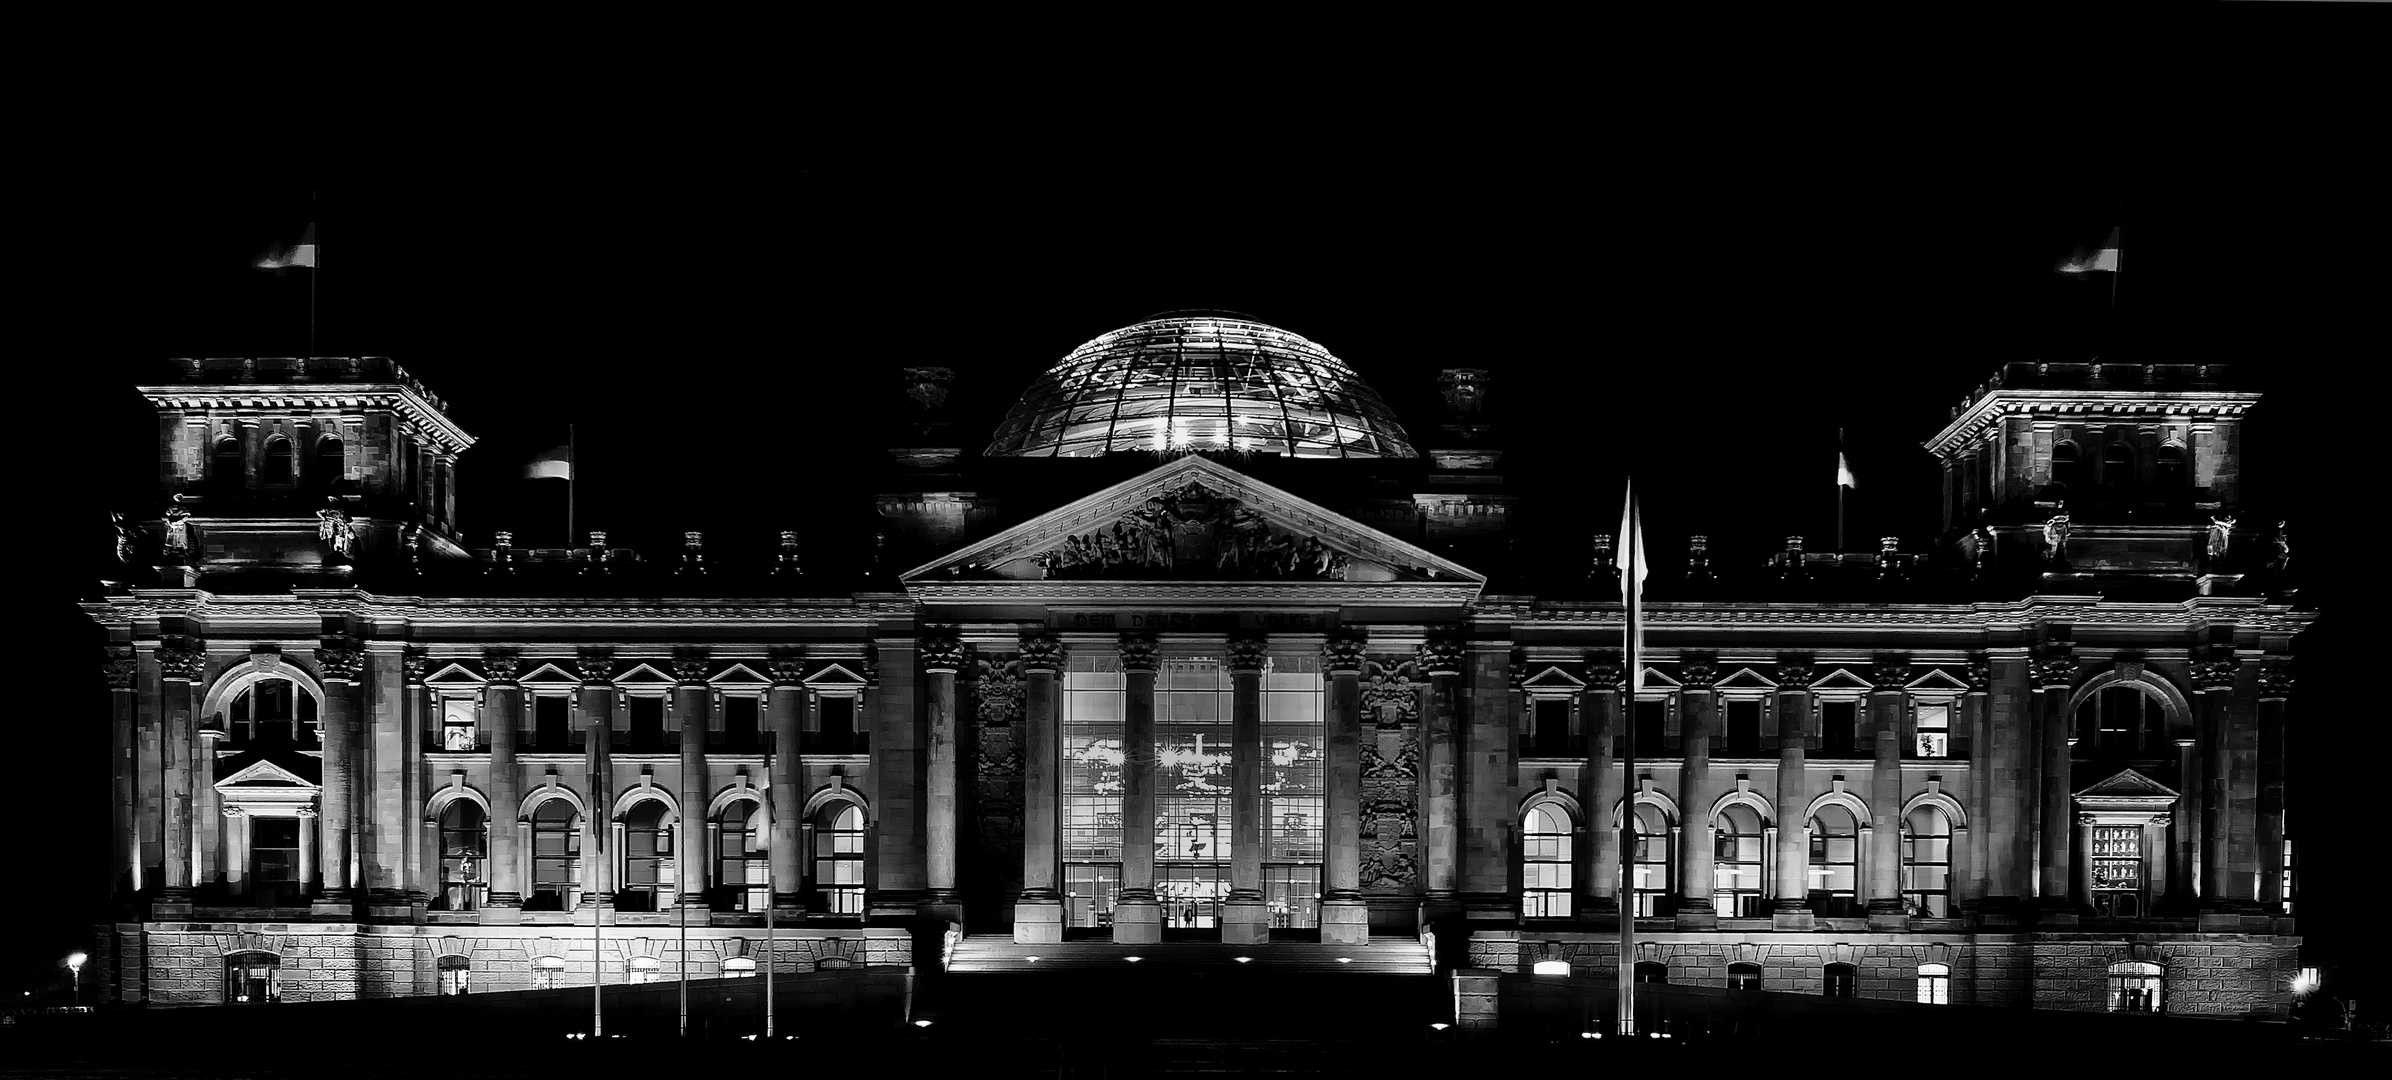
[1200,649]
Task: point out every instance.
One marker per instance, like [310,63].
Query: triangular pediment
[550,675]
[1553,678]
[1842,679]
[1655,679]
[1746,679]
[644,675]
[2128,784]
[454,675]
[1193,519]
[739,675]
[834,675]
[1937,679]
[265,772]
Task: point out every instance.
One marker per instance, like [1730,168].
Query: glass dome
[1190,381]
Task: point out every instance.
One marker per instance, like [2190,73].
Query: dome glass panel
[1201,382]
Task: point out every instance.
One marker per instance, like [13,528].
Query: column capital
[941,651]
[1979,673]
[341,659]
[119,664]
[1794,670]
[1698,670]
[2216,670]
[689,667]
[1606,672]
[1342,654]
[595,666]
[1041,652]
[501,666]
[183,658]
[1248,653]
[1439,656]
[416,664]
[2054,666]
[1138,652]
[786,669]
[2275,680]
[1889,671]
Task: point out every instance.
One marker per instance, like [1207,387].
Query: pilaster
[1345,919]
[1038,914]
[1246,918]
[502,715]
[1699,703]
[1137,915]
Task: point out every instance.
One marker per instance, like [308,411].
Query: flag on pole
[2104,258]
[292,256]
[1844,472]
[555,464]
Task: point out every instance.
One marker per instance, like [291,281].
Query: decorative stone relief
[1390,831]
[415,664]
[1389,696]
[994,836]
[997,691]
[1192,532]
[1138,652]
[1698,671]
[1042,652]
[1890,670]
[2054,666]
[2216,670]
[1439,658]
[501,667]
[786,670]
[942,652]
[1794,671]
[1342,653]
[1249,653]
[1980,673]
[1606,671]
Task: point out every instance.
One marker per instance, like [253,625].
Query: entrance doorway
[1191,894]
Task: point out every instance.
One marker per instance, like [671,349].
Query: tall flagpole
[1632,588]
[681,919]
[313,278]
[597,973]
[770,812]
[572,465]
[1840,467]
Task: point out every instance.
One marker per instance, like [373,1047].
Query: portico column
[1441,661]
[1791,910]
[2054,672]
[1886,909]
[2184,892]
[309,822]
[182,664]
[414,884]
[1973,711]
[693,707]
[1038,913]
[1345,919]
[122,669]
[785,720]
[502,705]
[1600,894]
[1695,854]
[1246,918]
[2084,862]
[343,665]
[236,851]
[942,655]
[2275,685]
[1138,916]
[2215,676]
[597,670]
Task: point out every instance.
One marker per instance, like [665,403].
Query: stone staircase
[1382,956]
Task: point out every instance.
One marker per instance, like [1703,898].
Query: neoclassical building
[1202,645]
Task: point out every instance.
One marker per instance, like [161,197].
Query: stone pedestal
[1887,914]
[1345,921]
[330,908]
[1245,922]
[1690,918]
[1795,919]
[1137,920]
[1037,921]
[509,915]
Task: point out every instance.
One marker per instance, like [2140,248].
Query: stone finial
[1342,654]
[1890,670]
[2275,679]
[120,666]
[942,651]
[1465,392]
[1249,652]
[786,669]
[1795,670]
[1698,671]
[689,667]
[693,553]
[1606,671]
[1440,656]
[340,658]
[1138,652]
[2216,670]
[415,664]
[1042,652]
[595,666]
[928,386]
[787,563]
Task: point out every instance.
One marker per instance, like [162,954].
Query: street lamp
[74,967]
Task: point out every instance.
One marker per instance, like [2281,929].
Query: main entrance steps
[1382,956]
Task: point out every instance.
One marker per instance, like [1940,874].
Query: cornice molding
[2004,402]
[404,401]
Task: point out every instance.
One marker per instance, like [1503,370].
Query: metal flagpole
[769,812]
[681,919]
[1632,589]
[1839,492]
[572,466]
[316,276]
[597,976]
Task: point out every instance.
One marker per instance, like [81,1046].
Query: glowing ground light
[1345,959]
[1133,959]
[1439,1026]
[1245,959]
[921,1023]
[1032,959]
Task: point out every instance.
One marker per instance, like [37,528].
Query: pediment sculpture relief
[1192,532]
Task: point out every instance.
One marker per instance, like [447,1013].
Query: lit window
[1934,730]
[462,848]
[839,858]
[252,978]
[547,972]
[1843,980]
[1736,863]
[643,970]
[739,967]
[454,971]
[742,864]
[556,856]
[2287,875]
[458,724]
[1935,984]
[1651,887]
[1927,863]
[1835,862]
[1744,976]
[2135,987]
[2117,870]
[647,856]
[1545,863]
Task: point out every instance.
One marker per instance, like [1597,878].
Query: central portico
[1224,689]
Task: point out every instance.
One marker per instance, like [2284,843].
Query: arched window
[1651,887]
[1843,980]
[454,970]
[1835,862]
[547,972]
[1736,863]
[277,469]
[647,856]
[556,856]
[2135,987]
[839,858]
[2064,467]
[1744,976]
[1927,863]
[741,867]
[462,852]
[331,464]
[643,970]
[2122,720]
[252,978]
[265,710]
[225,466]
[2167,468]
[1935,984]
[1652,971]
[2118,467]
[739,967]
[1545,862]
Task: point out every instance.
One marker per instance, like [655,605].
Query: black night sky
[725,333]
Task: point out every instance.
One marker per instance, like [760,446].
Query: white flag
[301,254]
[556,464]
[2104,259]
[1844,472]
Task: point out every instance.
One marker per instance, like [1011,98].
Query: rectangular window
[1935,984]
[739,723]
[459,724]
[1091,788]
[552,723]
[1294,736]
[1744,728]
[838,735]
[1652,720]
[1934,728]
[1838,723]
[274,861]
[1550,730]
[453,973]
[2117,870]
[647,725]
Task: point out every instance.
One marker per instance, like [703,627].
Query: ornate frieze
[1138,652]
[1980,673]
[942,651]
[595,666]
[1390,831]
[2054,666]
[1192,532]
[1342,655]
[1249,652]
[1390,697]
[1042,652]
[340,658]
[501,666]
[998,693]
[120,666]
[2275,679]
[689,667]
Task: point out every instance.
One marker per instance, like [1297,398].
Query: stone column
[1973,712]
[693,707]
[1791,867]
[1441,800]
[2054,672]
[2184,893]
[942,655]
[1602,715]
[784,716]
[1490,740]
[1246,918]
[2009,786]
[1138,917]
[207,805]
[236,851]
[1038,913]
[2214,676]
[383,828]
[1699,704]
[2084,861]
[1886,910]
[417,882]
[343,665]
[310,831]
[1345,919]
[122,669]
[597,670]
[502,715]
[2275,685]
[183,664]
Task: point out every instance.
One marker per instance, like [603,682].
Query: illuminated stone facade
[2040,760]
